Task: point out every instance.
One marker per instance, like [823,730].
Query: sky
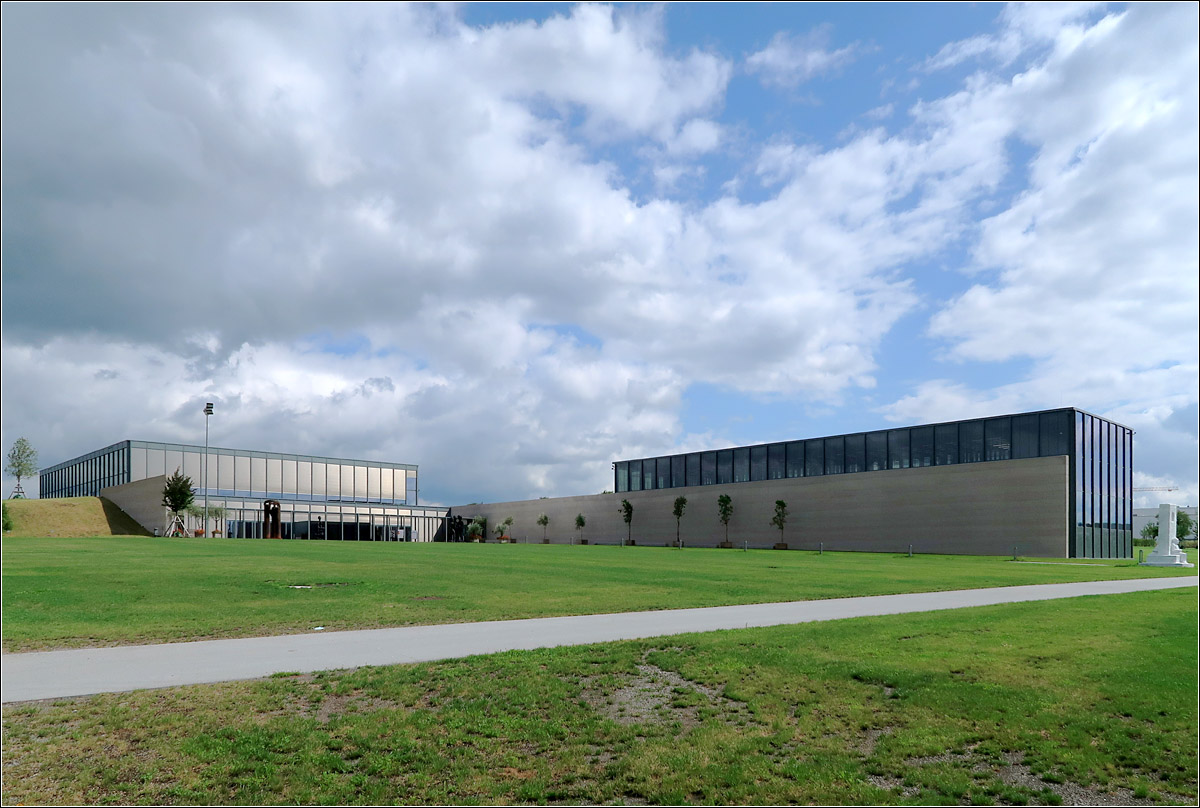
[512,243]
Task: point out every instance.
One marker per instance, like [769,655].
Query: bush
[7,518]
[1145,542]
[1183,545]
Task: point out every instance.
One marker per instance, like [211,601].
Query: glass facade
[319,497]
[1100,457]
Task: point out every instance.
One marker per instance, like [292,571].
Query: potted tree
[779,520]
[724,512]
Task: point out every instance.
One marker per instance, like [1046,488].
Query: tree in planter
[543,520]
[579,523]
[477,530]
[677,511]
[501,527]
[177,494]
[22,462]
[214,512]
[725,512]
[780,517]
[627,515]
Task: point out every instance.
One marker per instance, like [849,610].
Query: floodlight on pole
[208,410]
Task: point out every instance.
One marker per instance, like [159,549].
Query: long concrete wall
[972,509]
[142,500]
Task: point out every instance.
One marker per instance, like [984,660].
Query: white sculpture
[1166,551]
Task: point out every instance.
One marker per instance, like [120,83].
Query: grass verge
[105,591]
[1084,701]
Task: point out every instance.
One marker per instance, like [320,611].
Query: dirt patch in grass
[659,696]
[1015,773]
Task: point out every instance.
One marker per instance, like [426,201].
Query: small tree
[725,512]
[477,530]
[677,511]
[501,527]
[627,515]
[1184,526]
[543,520]
[780,517]
[177,494]
[579,523]
[22,460]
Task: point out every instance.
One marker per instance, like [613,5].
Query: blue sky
[514,242]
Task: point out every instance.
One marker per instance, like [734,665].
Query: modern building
[319,497]
[1049,483]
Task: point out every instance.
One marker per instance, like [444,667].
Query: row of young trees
[724,514]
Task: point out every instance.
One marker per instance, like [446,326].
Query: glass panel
[795,459]
[258,476]
[922,446]
[814,458]
[998,437]
[192,466]
[274,475]
[835,455]
[776,461]
[137,464]
[373,483]
[1055,433]
[303,478]
[648,476]
[1025,436]
[241,475]
[156,464]
[876,451]
[319,481]
[174,461]
[664,473]
[622,477]
[693,469]
[725,466]
[348,483]
[333,480]
[970,441]
[678,475]
[635,475]
[898,454]
[758,463]
[387,491]
[289,477]
[856,453]
[708,468]
[211,472]
[224,464]
[741,465]
[945,444]
[360,483]
[410,486]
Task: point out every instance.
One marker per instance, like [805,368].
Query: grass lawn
[117,590]
[1086,701]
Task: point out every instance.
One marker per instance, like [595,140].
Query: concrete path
[60,674]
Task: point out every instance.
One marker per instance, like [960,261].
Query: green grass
[1087,698]
[74,517]
[80,592]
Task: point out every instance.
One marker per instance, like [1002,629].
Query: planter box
[198,533]
[545,541]
[781,545]
[583,541]
[631,543]
[728,545]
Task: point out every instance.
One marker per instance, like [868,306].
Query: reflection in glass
[758,463]
[1025,436]
[648,476]
[693,469]
[635,475]
[856,453]
[776,461]
[241,475]
[795,459]
[970,442]
[274,475]
[998,438]
[678,475]
[876,451]
[835,455]
[741,465]
[814,458]
[622,477]
[708,468]
[898,453]
[664,473]
[725,466]
[333,481]
[387,491]
[922,446]
[373,483]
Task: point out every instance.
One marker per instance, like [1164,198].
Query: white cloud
[789,59]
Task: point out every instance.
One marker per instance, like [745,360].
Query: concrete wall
[973,509]
[142,500]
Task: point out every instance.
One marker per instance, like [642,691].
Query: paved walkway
[60,674]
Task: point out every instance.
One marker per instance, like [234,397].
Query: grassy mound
[71,517]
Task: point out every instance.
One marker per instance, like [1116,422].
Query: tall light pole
[208,410]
